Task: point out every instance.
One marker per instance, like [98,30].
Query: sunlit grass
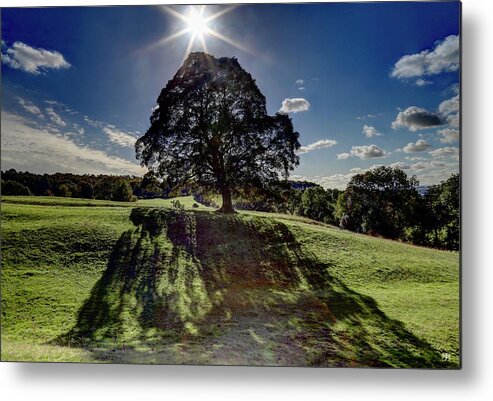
[247,296]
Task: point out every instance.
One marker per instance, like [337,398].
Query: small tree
[211,127]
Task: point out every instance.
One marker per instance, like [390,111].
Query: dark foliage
[87,186]
[438,215]
[379,202]
[10,187]
[211,128]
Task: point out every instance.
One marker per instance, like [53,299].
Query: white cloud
[448,151]
[30,107]
[55,117]
[423,82]
[297,177]
[25,147]
[79,129]
[299,82]
[370,131]
[449,106]
[365,152]
[420,146]
[401,165]
[334,181]
[414,158]
[119,137]
[416,118]
[420,166]
[343,156]
[93,123]
[448,135]
[438,174]
[443,58]
[368,116]
[453,120]
[34,61]
[294,105]
[323,143]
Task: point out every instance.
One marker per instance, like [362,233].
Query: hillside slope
[160,285]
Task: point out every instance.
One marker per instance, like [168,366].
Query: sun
[196,22]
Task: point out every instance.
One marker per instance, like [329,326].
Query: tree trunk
[227,206]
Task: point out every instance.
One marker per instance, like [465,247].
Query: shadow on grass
[203,288]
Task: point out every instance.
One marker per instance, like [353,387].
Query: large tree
[211,127]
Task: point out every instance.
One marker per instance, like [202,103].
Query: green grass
[139,282]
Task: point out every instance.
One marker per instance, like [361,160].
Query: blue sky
[365,83]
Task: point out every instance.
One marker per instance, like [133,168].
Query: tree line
[381,202]
[87,186]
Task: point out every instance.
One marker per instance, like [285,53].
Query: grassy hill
[86,280]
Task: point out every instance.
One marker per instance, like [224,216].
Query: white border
[130,382]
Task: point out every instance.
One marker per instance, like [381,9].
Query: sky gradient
[365,83]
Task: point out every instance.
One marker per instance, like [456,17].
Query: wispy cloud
[367,116]
[119,137]
[448,151]
[300,84]
[27,147]
[323,143]
[55,117]
[30,107]
[32,60]
[400,165]
[294,105]
[423,82]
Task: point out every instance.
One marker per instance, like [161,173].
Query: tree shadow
[202,288]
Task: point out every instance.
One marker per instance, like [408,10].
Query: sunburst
[197,25]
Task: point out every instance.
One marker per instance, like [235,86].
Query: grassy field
[87,280]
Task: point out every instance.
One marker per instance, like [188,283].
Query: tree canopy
[379,202]
[211,127]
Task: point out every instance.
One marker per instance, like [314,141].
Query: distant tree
[294,201]
[84,190]
[316,204]
[450,197]
[122,191]
[379,202]
[14,188]
[104,188]
[150,186]
[441,214]
[211,127]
